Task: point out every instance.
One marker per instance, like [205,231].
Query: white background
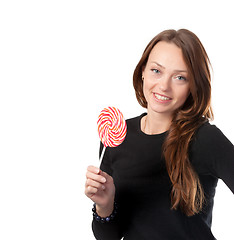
[61,62]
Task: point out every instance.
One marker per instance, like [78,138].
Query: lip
[160,100]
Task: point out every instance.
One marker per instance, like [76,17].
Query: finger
[90,191]
[95,177]
[93,169]
[92,183]
[106,176]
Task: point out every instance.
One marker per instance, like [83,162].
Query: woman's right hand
[100,188]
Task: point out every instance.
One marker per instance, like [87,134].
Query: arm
[223,164]
[218,153]
[100,189]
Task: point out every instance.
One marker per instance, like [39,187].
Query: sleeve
[217,152]
[111,230]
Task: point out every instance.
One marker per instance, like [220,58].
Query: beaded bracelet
[106,219]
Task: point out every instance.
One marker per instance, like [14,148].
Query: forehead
[168,55]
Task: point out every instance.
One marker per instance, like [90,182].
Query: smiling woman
[176,53]
[160,182]
[164,86]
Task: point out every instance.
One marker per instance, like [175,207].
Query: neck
[154,123]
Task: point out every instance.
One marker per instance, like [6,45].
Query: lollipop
[112,128]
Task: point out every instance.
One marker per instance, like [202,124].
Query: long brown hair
[187,192]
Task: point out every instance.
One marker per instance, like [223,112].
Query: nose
[164,83]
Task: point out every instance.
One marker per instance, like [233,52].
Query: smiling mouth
[162,98]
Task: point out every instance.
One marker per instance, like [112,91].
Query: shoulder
[212,153]
[134,123]
[207,130]
[135,119]
[210,147]
[210,135]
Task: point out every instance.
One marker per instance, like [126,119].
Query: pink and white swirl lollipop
[112,128]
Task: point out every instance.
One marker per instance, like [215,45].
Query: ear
[142,74]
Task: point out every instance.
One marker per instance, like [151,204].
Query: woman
[162,178]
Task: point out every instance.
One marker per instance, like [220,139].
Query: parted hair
[187,192]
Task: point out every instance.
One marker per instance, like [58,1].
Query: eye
[181,78]
[155,70]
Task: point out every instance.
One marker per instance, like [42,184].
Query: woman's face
[165,83]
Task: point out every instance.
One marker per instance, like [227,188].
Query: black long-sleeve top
[143,186]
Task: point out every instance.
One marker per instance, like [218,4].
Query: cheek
[184,95]
[147,86]
[144,89]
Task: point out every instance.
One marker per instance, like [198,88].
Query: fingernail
[103,187]
[103,180]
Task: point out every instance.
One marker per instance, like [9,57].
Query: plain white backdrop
[61,62]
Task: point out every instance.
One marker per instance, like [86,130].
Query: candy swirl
[112,128]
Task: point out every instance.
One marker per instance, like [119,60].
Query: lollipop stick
[103,151]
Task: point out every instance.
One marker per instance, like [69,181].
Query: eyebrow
[164,67]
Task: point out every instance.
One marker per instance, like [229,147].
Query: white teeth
[161,97]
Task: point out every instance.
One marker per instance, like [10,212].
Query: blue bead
[107,219]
